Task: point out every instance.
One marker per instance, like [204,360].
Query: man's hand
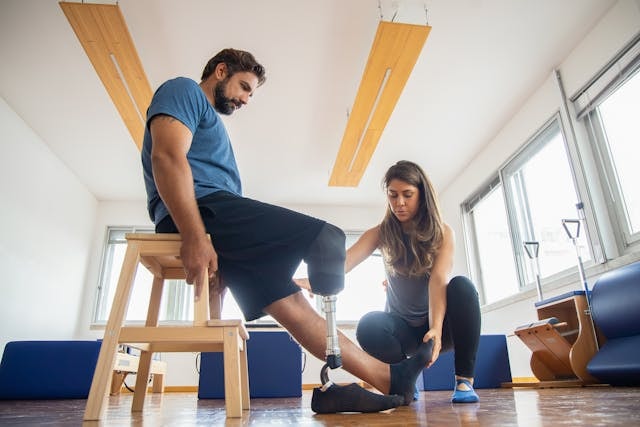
[198,258]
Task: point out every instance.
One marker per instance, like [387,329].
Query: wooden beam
[395,50]
[103,33]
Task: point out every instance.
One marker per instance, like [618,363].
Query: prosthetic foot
[332,398]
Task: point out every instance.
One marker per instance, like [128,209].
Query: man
[193,187]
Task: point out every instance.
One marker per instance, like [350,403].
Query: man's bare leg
[296,315]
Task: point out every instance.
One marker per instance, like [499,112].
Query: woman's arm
[438,280]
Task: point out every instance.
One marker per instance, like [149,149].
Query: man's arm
[174,180]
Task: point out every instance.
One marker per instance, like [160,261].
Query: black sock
[405,373]
[351,398]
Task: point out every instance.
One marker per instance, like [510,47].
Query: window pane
[363,291]
[137,311]
[543,194]
[495,257]
[620,114]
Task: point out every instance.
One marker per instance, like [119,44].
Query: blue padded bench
[47,369]
[492,366]
[615,307]
[274,362]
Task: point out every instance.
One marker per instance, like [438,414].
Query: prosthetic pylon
[333,357]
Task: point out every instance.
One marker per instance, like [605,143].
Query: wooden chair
[160,254]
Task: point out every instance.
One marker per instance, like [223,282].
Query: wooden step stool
[160,254]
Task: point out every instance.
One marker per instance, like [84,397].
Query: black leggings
[389,338]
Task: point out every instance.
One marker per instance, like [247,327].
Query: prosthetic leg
[325,265]
[332,398]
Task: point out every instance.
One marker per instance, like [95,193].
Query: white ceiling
[482,60]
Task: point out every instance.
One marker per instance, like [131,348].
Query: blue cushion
[617,362]
[492,366]
[558,298]
[615,302]
[48,369]
[275,367]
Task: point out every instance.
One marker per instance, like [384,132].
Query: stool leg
[201,305]
[107,357]
[158,383]
[144,365]
[232,376]
[244,374]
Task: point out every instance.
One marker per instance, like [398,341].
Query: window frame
[614,195]
[624,65]
[532,146]
[499,182]
[471,236]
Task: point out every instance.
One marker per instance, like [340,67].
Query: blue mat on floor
[275,367]
[47,369]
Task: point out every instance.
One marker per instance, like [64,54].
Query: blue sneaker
[464,396]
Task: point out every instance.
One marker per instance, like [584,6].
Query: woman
[422,303]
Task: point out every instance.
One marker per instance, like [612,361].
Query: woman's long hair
[416,257]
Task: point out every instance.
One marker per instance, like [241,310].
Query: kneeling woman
[422,303]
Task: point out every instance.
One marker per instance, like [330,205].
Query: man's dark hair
[236,60]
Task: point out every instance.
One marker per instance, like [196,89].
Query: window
[535,191]
[495,268]
[177,298]
[610,107]
[363,287]
[363,291]
[540,192]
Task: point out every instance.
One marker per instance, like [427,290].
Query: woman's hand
[436,336]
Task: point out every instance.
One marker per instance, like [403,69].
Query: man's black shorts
[259,247]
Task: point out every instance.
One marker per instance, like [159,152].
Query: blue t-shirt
[210,156]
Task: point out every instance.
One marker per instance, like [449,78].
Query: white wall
[46,223]
[616,28]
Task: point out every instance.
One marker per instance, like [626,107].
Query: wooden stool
[160,254]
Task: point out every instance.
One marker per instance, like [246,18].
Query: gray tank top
[408,297]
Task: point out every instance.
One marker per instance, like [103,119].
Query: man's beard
[222,104]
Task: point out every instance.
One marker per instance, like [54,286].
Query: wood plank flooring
[590,406]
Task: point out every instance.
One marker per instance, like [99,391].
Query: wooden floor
[591,406]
